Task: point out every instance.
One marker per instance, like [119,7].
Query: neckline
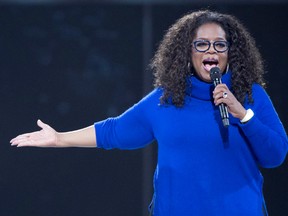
[202,90]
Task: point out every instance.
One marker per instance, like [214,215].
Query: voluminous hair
[171,60]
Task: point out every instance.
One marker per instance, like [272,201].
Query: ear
[190,68]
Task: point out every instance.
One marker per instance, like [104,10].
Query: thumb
[41,124]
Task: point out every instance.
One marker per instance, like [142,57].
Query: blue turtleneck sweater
[203,168]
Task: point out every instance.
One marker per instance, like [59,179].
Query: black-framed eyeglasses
[204,45]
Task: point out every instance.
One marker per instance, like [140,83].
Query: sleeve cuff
[249,114]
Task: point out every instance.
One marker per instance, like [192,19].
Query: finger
[221,100]
[32,143]
[25,143]
[218,95]
[27,136]
[223,97]
[13,144]
[21,136]
[220,91]
[42,124]
[18,139]
[221,87]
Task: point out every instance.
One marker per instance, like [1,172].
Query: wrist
[59,139]
[249,114]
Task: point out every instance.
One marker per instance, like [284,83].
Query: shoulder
[258,92]
[260,96]
[154,95]
[152,99]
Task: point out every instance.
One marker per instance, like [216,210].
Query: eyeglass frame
[213,43]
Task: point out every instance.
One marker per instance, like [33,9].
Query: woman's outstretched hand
[47,137]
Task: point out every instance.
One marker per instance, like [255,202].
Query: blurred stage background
[71,63]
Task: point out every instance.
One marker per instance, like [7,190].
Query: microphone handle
[224,114]
[222,107]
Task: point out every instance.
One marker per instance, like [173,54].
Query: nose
[211,49]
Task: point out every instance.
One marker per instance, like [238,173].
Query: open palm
[47,137]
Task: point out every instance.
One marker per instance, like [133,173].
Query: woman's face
[205,60]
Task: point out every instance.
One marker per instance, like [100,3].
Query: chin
[205,78]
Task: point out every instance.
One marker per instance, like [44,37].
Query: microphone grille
[215,73]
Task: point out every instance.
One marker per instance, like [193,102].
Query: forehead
[210,31]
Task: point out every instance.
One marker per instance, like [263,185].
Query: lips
[210,63]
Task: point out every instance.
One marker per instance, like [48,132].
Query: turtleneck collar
[203,90]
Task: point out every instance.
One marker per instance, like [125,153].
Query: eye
[221,44]
[201,43]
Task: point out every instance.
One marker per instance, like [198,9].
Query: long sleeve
[265,132]
[130,130]
[202,168]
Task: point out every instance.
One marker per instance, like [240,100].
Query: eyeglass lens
[219,46]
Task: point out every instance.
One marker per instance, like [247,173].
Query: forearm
[269,145]
[85,137]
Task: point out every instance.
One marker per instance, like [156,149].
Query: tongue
[209,66]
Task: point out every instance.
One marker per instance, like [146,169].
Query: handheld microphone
[216,75]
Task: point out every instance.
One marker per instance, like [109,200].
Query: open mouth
[210,63]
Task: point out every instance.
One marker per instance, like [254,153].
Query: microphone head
[215,73]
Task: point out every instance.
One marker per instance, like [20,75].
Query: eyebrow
[217,39]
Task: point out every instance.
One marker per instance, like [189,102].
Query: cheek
[223,62]
[225,59]
[194,65]
[196,59]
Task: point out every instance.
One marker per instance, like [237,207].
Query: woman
[203,168]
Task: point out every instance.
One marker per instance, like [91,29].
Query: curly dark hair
[170,61]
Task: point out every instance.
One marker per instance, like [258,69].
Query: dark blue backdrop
[72,65]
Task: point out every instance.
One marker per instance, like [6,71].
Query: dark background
[71,64]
